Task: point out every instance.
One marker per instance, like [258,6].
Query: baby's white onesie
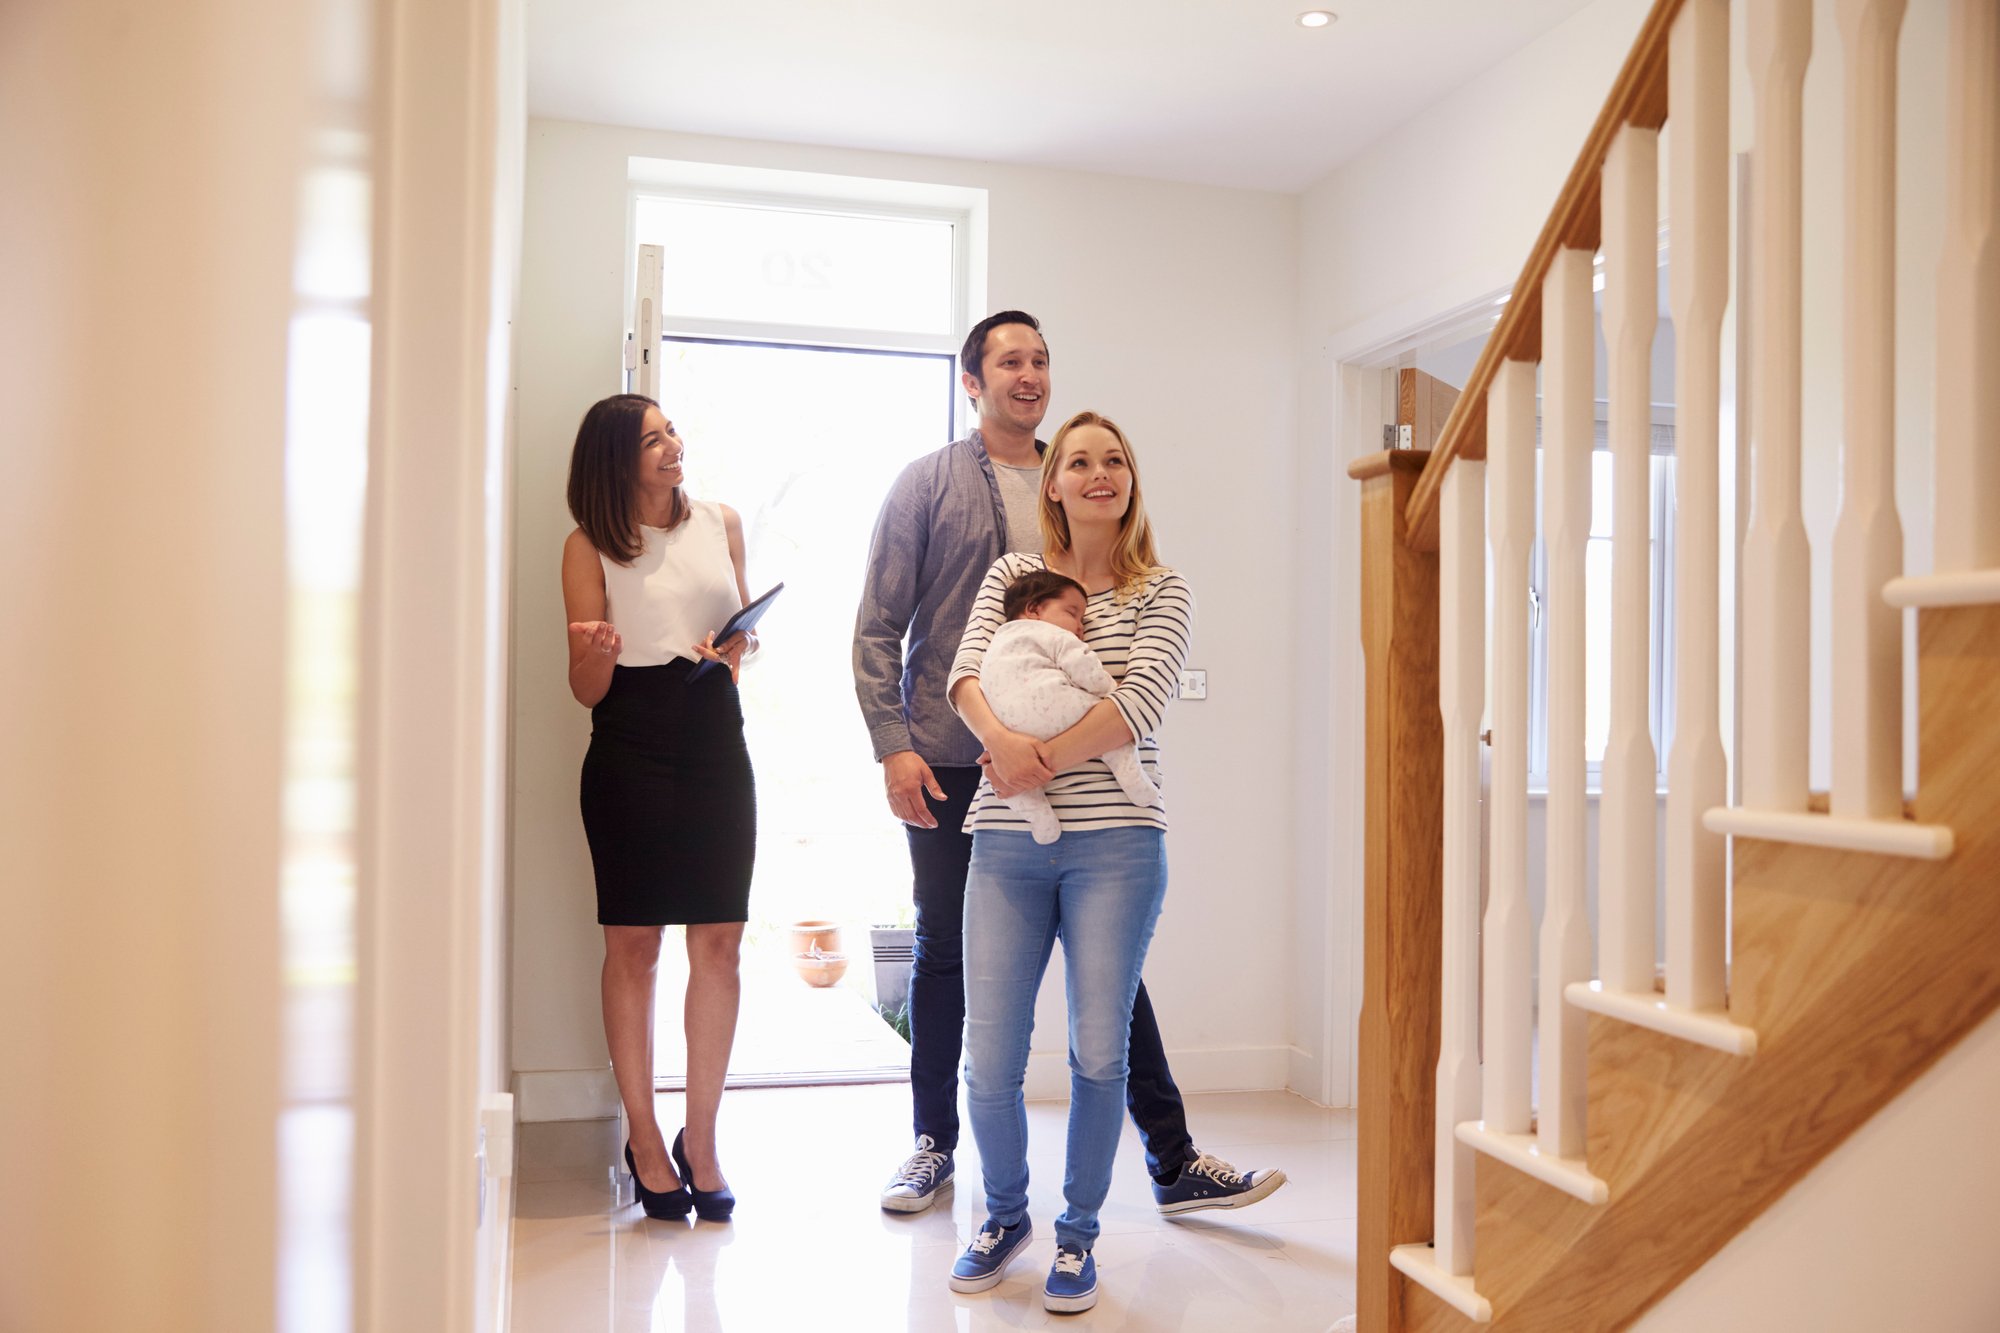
[1040,680]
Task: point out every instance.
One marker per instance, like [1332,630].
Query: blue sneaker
[1210,1182]
[985,1261]
[1072,1284]
[924,1174]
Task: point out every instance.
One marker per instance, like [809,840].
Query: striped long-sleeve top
[1143,642]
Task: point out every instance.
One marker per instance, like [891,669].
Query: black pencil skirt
[669,802]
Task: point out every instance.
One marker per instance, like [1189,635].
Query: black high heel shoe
[666,1205]
[709,1205]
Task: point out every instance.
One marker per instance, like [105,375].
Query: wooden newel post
[1403,883]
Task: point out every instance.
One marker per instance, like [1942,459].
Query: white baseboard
[1230,1069]
[565,1094]
[1305,1074]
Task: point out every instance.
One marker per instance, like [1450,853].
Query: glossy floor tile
[811,1250]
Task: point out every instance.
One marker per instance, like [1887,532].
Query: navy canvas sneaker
[1210,1182]
[985,1261]
[924,1175]
[1072,1284]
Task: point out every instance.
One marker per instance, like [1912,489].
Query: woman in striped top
[1099,887]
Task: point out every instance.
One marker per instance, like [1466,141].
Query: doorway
[803,441]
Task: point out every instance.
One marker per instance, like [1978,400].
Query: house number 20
[784,269]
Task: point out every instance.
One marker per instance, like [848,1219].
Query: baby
[1040,678]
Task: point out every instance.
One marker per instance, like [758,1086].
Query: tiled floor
[810,1249]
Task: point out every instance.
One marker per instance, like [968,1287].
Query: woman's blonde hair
[1133,559]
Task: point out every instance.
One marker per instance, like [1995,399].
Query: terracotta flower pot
[808,936]
[820,969]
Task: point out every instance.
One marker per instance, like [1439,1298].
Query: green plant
[898,1019]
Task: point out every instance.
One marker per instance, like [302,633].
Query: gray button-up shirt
[942,526]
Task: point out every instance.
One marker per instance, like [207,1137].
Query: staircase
[1556,1129]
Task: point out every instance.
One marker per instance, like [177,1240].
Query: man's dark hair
[1033,588]
[972,356]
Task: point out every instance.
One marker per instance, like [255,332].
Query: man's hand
[1016,763]
[907,777]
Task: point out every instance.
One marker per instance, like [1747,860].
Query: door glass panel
[804,442]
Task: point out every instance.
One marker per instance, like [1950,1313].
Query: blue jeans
[1099,892]
[939,858]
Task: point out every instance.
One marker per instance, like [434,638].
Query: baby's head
[1043,594]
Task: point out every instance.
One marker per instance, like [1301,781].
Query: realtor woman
[669,802]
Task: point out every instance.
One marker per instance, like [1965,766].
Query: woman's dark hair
[603,495]
[972,356]
[1033,588]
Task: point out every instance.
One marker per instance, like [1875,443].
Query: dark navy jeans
[939,859]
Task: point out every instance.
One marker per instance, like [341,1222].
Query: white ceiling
[1218,92]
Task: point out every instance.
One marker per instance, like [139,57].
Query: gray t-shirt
[1017,492]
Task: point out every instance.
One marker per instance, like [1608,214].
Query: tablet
[746,619]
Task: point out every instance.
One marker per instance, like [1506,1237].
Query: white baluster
[1507,990]
[1568,377]
[1776,561]
[1461,687]
[1627,946]
[1967,458]
[1698,106]
[1868,537]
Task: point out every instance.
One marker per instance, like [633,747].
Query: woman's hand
[729,652]
[593,638]
[1015,763]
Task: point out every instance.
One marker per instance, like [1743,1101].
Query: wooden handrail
[1638,97]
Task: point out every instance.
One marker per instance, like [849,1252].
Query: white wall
[1444,209]
[1437,214]
[1169,306]
[1893,1230]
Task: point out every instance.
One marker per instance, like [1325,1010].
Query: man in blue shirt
[947,518]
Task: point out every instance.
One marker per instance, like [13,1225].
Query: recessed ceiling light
[1317,18]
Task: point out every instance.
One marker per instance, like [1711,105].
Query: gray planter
[894,948]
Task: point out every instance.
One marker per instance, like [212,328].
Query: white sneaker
[924,1174]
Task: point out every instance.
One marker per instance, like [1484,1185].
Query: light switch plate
[1194,684]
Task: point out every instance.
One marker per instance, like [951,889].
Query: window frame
[965,241]
[1660,678]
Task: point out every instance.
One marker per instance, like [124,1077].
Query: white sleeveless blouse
[681,586]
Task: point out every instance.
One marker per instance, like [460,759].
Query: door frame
[1363,360]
